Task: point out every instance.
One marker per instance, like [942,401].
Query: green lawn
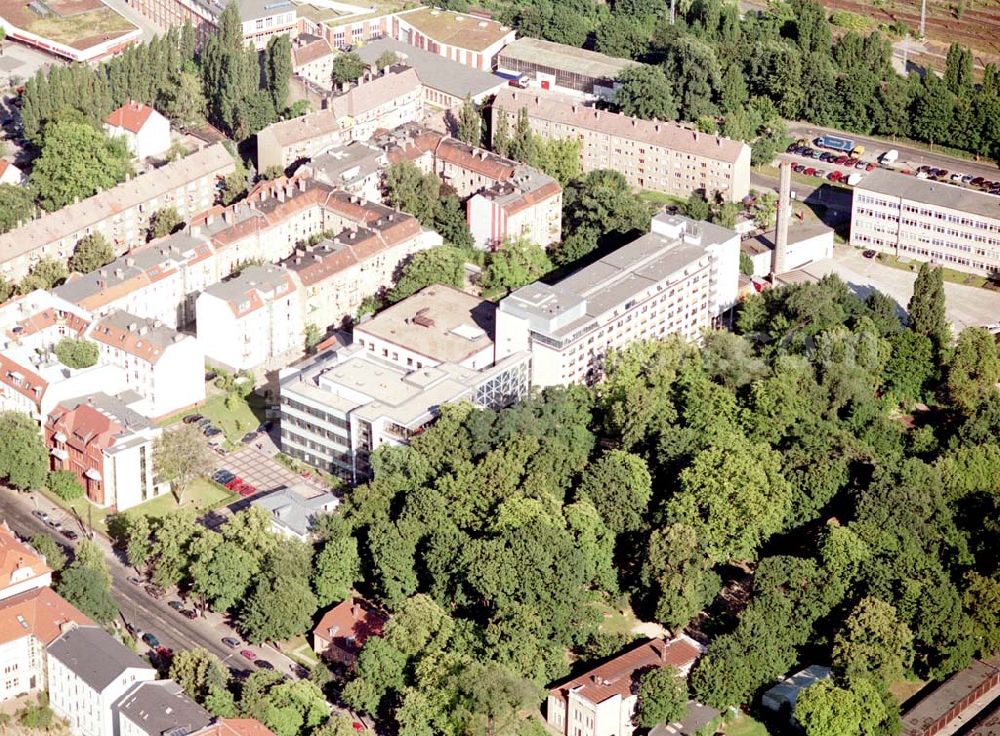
[614,621]
[236,422]
[92,516]
[201,495]
[299,650]
[744,725]
[659,198]
[950,275]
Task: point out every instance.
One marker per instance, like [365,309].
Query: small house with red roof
[146,131]
[21,567]
[603,700]
[10,174]
[344,629]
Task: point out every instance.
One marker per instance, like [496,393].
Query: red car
[809,171]
[247,490]
[871,167]
[835,176]
[234,483]
[248,654]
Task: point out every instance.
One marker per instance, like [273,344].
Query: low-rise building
[162,365]
[294,511]
[344,629]
[120,214]
[659,156]
[312,59]
[237,727]
[159,708]
[22,569]
[439,324]
[386,101]
[927,221]
[108,447]
[678,278]
[781,698]
[468,39]
[567,69]
[261,20]
[88,671]
[603,700]
[145,131]
[251,320]
[29,622]
[806,244]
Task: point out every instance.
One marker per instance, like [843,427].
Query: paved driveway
[259,470]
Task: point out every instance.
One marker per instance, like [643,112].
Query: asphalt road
[137,607]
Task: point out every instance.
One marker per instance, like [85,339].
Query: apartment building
[164,366]
[251,320]
[439,324]
[355,168]
[29,622]
[108,447]
[312,59]
[22,569]
[262,19]
[388,100]
[145,131]
[88,672]
[158,708]
[678,278]
[120,214]
[467,39]
[603,700]
[660,156]
[927,221]
[566,69]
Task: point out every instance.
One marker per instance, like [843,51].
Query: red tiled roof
[475,159]
[349,624]
[616,677]
[84,427]
[49,318]
[16,556]
[23,380]
[236,727]
[131,116]
[310,52]
[41,613]
[533,197]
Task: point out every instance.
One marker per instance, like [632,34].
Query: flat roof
[439,322]
[797,233]
[929,192]
[159,706]
[565,58]
[79,24]
[457,29]
[943,698]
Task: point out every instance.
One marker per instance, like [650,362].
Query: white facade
[494,219]
[676,279]
[146,132]
[10,174]
[22,664]
[806,244]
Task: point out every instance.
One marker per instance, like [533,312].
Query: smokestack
[781,223]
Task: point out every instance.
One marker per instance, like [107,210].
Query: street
[137,607]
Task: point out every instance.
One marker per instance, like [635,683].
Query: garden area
[202,495]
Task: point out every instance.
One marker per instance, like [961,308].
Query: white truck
[889,157]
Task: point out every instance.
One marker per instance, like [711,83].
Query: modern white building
[927,221]
[88,672]
[158,708]
[678,278]
[145,131]
[164,366]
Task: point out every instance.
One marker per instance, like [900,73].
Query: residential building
[120,214]
[445,83]
[29,622]
[527,205]
[88,671]
[388,100]
[10,174]
[261,19]
[108,447]
[253,320]
[146,131]
[678,278]
[356,168]
[22,569]
[439,324]
[294,510]
[567,69]
[159,708]
[807,243]
[345,403]
[927,221]
[603,700]
[467,39]
[236,727]
[344,629]
[38,320]
[782,697]
[312,59]
[656,155]
[164,366]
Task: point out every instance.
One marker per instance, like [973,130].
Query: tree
[77,161]
[974,369]
[824,709]
[347,68]
[313,336]
[278,70]
[87,589]
[337,567]
[441,265]
[697,207]
[385,60]
[50,549]
[17,205]
[92,252]
[645,92]
[74,353]
[183,100]
[225,576]
[559,158]
[470,123]
[179,456]
[47,273]
[165,221]
[619,486]
[135,535]
[910,366]
[958,70]
[621,36]
[230,74]
[408,189]
[927,307]
[602,202]
[278,610]
[873,642]
[663,696]
[766,210]
[515,264]
[199,672]
[746,264]
[24,460]
[451,224]
[64,484]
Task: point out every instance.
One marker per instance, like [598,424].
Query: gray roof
[94,656]
[161,707]
[295,511]
[434,71]
[353,162]
[929,192]
[254,278]
[787,691]
[696,717]
[112,406]
[565,58]
[153,331]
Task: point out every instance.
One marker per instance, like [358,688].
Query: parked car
[54,523]
[40,514]
[977,181]
[231,641]
[869,253]
[232,483]
[176,605]
[223,476]
[819,173]
[264,664]
[203,422]
[871,167]
[835,176]
[798,168]
[809,171]
[155,592]
[150,639]
[247,490]
[248,654]
[135,581]
[188,613]
[192,418]
[249,437]
[70,534]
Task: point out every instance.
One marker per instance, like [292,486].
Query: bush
[76,353]
[64,484]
